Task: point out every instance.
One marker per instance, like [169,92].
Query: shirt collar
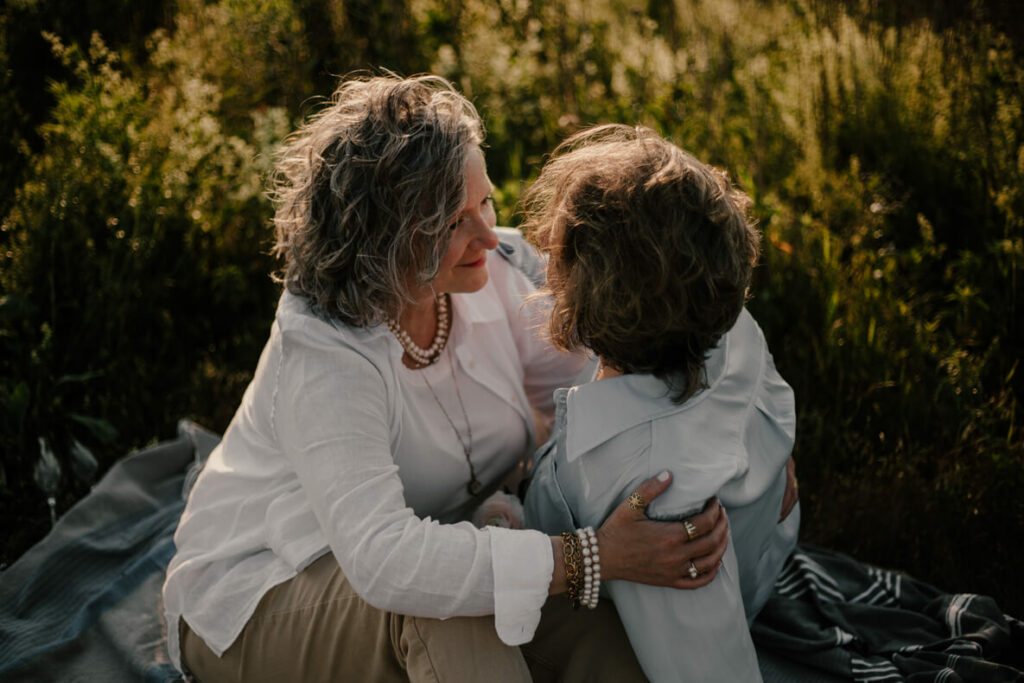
[478,307]
[600,410]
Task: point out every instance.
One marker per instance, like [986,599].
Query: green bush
[134,284]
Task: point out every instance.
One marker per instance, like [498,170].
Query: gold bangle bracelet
[573,576]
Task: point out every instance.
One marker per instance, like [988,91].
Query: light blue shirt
[731,440]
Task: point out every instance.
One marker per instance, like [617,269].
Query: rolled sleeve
[523,566]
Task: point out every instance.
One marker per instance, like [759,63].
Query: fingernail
[663,476]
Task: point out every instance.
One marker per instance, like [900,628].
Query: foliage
[885,161]
[135,272]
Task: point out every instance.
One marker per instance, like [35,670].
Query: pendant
[474,487]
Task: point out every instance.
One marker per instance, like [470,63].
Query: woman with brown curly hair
[325,538]
[651,254]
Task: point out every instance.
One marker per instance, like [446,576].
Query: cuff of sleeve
[523,565]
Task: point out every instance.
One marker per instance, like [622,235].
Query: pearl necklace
[429,355]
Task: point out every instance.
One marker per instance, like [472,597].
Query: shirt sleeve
[521,588]
[689,635]
[332,421]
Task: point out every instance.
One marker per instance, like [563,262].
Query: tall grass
[885,162]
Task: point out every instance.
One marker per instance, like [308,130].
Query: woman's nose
[485,233]
[490,238]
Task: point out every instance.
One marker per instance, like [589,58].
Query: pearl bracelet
[591,567]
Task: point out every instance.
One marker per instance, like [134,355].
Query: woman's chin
[469,280]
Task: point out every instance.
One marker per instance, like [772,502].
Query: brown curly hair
[366,190]
[651,252]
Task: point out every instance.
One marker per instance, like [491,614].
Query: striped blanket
[862,623]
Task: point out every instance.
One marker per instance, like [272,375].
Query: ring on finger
[691,529]
[693,570]
[636,501]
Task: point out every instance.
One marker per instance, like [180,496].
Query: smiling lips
[474,264]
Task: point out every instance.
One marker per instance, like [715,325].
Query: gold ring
[636,501]
[693,570]
[691,530]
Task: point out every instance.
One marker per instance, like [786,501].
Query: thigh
[572,646]
[315,627]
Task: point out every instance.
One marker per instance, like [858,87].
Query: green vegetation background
[881,141]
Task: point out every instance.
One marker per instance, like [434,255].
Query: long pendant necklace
[474,486]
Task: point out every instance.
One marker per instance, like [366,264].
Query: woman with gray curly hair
[651,254]
[325,538]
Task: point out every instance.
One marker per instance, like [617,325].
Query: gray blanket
[83,603]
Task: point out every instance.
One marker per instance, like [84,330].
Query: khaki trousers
[314,627]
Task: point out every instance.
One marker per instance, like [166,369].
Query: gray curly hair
[366,190]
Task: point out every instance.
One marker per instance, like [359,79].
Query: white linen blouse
[332,449]
[731,440]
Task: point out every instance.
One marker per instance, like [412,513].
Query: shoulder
[746,337]
[521,255]
[295,320]
[311,346]
[751,373]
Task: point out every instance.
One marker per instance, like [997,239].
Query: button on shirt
[331,450]
[731,440]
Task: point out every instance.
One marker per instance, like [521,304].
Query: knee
[459,649]
[458,632]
